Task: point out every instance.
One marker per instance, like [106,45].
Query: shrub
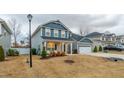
[16,53]
[44,53]
[54,54]
[75,51]
[95,49]
[2,56]
[13,52]
[100,48]
[33,51]
[58,54]
[63,54]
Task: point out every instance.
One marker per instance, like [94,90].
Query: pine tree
[2,56]
[95,49]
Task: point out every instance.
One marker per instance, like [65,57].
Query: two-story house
[53,36]
[102,39]
[120,39]
[5,36]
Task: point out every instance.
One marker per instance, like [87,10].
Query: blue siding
[66,34]
[59,33]
[43,31]
[52,32]
[55,25]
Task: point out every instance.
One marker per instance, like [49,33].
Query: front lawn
[115,52]
[67,66]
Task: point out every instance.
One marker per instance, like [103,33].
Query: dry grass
[116,52]
[83,66]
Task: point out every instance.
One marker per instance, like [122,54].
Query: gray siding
[5,39]
[36,40]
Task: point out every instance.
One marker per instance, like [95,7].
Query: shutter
[43,31]
[52,32]
[59,33]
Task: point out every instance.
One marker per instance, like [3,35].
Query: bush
[33,51]
[2,56]
[100,48]
[95,49]
[75,51]
[13,52]
[44,53]
[58,54]
[63,54]
[16,53]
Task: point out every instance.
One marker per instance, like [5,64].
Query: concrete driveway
[107,55]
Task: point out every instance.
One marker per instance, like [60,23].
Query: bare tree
[16,28]
[84,30]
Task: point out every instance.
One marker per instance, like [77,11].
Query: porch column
[62,47]
[77,47]
[71,47]
[45,44]
[66,48]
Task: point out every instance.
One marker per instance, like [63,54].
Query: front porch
[58,46]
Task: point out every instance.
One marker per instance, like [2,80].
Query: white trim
[56,32]
[47,31]
[85,38]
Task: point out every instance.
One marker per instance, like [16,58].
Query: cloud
[93,22]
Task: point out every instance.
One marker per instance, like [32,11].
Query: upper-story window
[47,32]
[56,34]
[63,34]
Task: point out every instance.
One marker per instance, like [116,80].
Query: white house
[5,35]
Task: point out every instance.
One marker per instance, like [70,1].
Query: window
[47,32]
[63,34]
[56,33]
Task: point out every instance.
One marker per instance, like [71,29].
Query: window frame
[56,33]
[47,31]
[63,33]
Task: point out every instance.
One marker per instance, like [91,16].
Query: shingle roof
[86,40]
[55,24]
[5,26]
[55,38]
[76,37]
[93,34]
[52,24]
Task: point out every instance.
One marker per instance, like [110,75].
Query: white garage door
[85,49]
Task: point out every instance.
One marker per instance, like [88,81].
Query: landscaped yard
[83,66]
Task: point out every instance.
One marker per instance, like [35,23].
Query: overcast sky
[99,23]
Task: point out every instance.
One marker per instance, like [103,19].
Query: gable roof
[55,24]
[52,24]
[94,34]
[5,26]
[76,37]
[86,40]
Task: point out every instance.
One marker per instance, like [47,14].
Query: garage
[85,49]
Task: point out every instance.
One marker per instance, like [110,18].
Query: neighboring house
[53,36]
[120,39]
[102,39]
[109,38]
[81,44]
[5,36]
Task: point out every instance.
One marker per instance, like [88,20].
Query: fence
[22,50]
